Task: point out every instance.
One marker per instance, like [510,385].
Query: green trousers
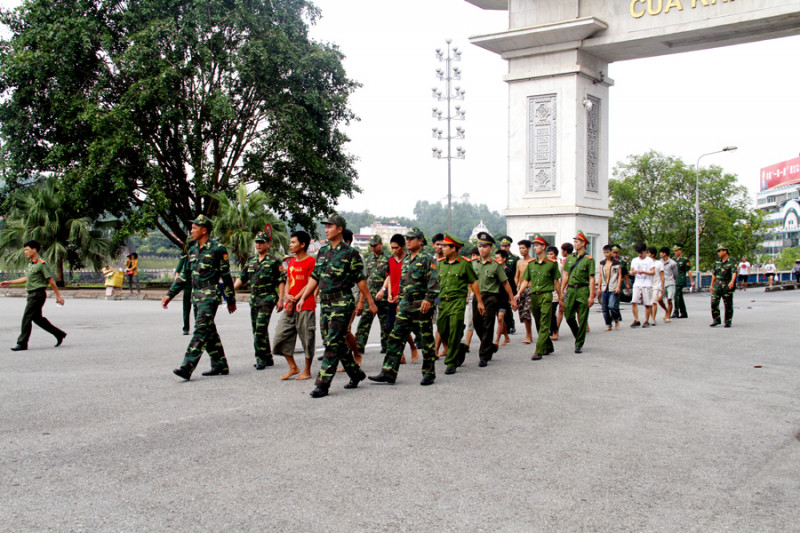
[410,320]
[577,302]
[542,311]
[451,329]
[334,319]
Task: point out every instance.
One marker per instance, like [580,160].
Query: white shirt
[646,264]
[744,268]
[659,267]
[769,268]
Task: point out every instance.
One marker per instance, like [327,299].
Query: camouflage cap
[580,235]
[203,221]
[375,239]
[414,233]
[722,247]
[485,238]
[336,220]
[539,239]
[452,239]
[262,236]
[505,240]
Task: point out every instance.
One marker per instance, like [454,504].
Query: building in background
[780,199]
[384,229]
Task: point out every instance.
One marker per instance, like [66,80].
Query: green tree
[147,108]
[41,213]
[241,217]
[652,197]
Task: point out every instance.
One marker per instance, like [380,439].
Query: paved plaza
[677,428]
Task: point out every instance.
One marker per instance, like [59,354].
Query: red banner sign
[781,174]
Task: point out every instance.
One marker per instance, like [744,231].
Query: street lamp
[448,74]
[697,211]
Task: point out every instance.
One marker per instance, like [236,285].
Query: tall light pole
[697,211]
[448,74]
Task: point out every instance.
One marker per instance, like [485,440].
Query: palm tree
[40,213]
[240,218]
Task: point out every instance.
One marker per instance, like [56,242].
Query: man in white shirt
[658,285]
[744,273]
[670,281]
[770,270]
[643,268]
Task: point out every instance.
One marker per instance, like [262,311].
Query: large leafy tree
[653,197]
[41,213]
[147,108]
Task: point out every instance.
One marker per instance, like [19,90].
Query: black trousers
[33,315]
[484,325]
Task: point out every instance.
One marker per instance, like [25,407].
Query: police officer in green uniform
[338,268]
[723,284]
[456,277]
[206,264]
[491,280]
[419,288]
[543,277]
[376,270]
[578,279]
[37,279]
[187,288]
[511,273]
[684,269]
[266,277]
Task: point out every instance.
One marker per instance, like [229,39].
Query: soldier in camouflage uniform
[578,279]
[338,268]
[206,264]
[419,287]
[266,278]
[511,273]
[723,284]
[684,270]
[376,271]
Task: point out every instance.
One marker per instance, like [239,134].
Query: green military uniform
[187,295]
[264,277]
[724,273]
[376,270]
[454,281]
[684,266]
[491,277]
[511,271]
[37,274]
[576,300]
[205,266]
[336,271]
[542,277]
[419,281]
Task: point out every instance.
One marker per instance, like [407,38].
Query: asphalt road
[677,428]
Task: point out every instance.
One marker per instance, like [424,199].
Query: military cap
[538,239]
[580,235]
[336,220]
[722,247]
[451,239]
[375,239]
[505,240]
[204,221]
[415,233]
[677,246]
[262,236]
[615,248]
[485,238]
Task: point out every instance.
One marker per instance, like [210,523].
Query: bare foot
[403,359]
[303,376]
[505,341]
[290,373]
[414,355]
[554,337]
[527,340]
[340,370]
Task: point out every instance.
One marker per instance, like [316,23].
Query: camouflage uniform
[723,272]
[376,272]
[576,300]
[204,267]
[336,271]
[264,277]
[684,266]
[419,281]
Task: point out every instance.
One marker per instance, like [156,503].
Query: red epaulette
[552,260]
[467,259]
[41,260]
[588,256]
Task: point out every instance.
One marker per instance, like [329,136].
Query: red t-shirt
[395,272]
[297,276]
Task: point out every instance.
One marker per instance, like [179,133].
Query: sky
[682,105]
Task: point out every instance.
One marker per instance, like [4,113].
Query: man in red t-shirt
[297,322]
[391,289]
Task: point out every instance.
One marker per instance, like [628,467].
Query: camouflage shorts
[524,303]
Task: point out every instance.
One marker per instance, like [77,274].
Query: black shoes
[450,370]
[727,324]
[636,324]
[60,339]
[715,324]
[183,372]
[579,349]
[216,372]
[20,347]
[548,352]
[382,378]
[427,380]
[536,357]
[483,363]
[186,332]
[319,392]
[354,382]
